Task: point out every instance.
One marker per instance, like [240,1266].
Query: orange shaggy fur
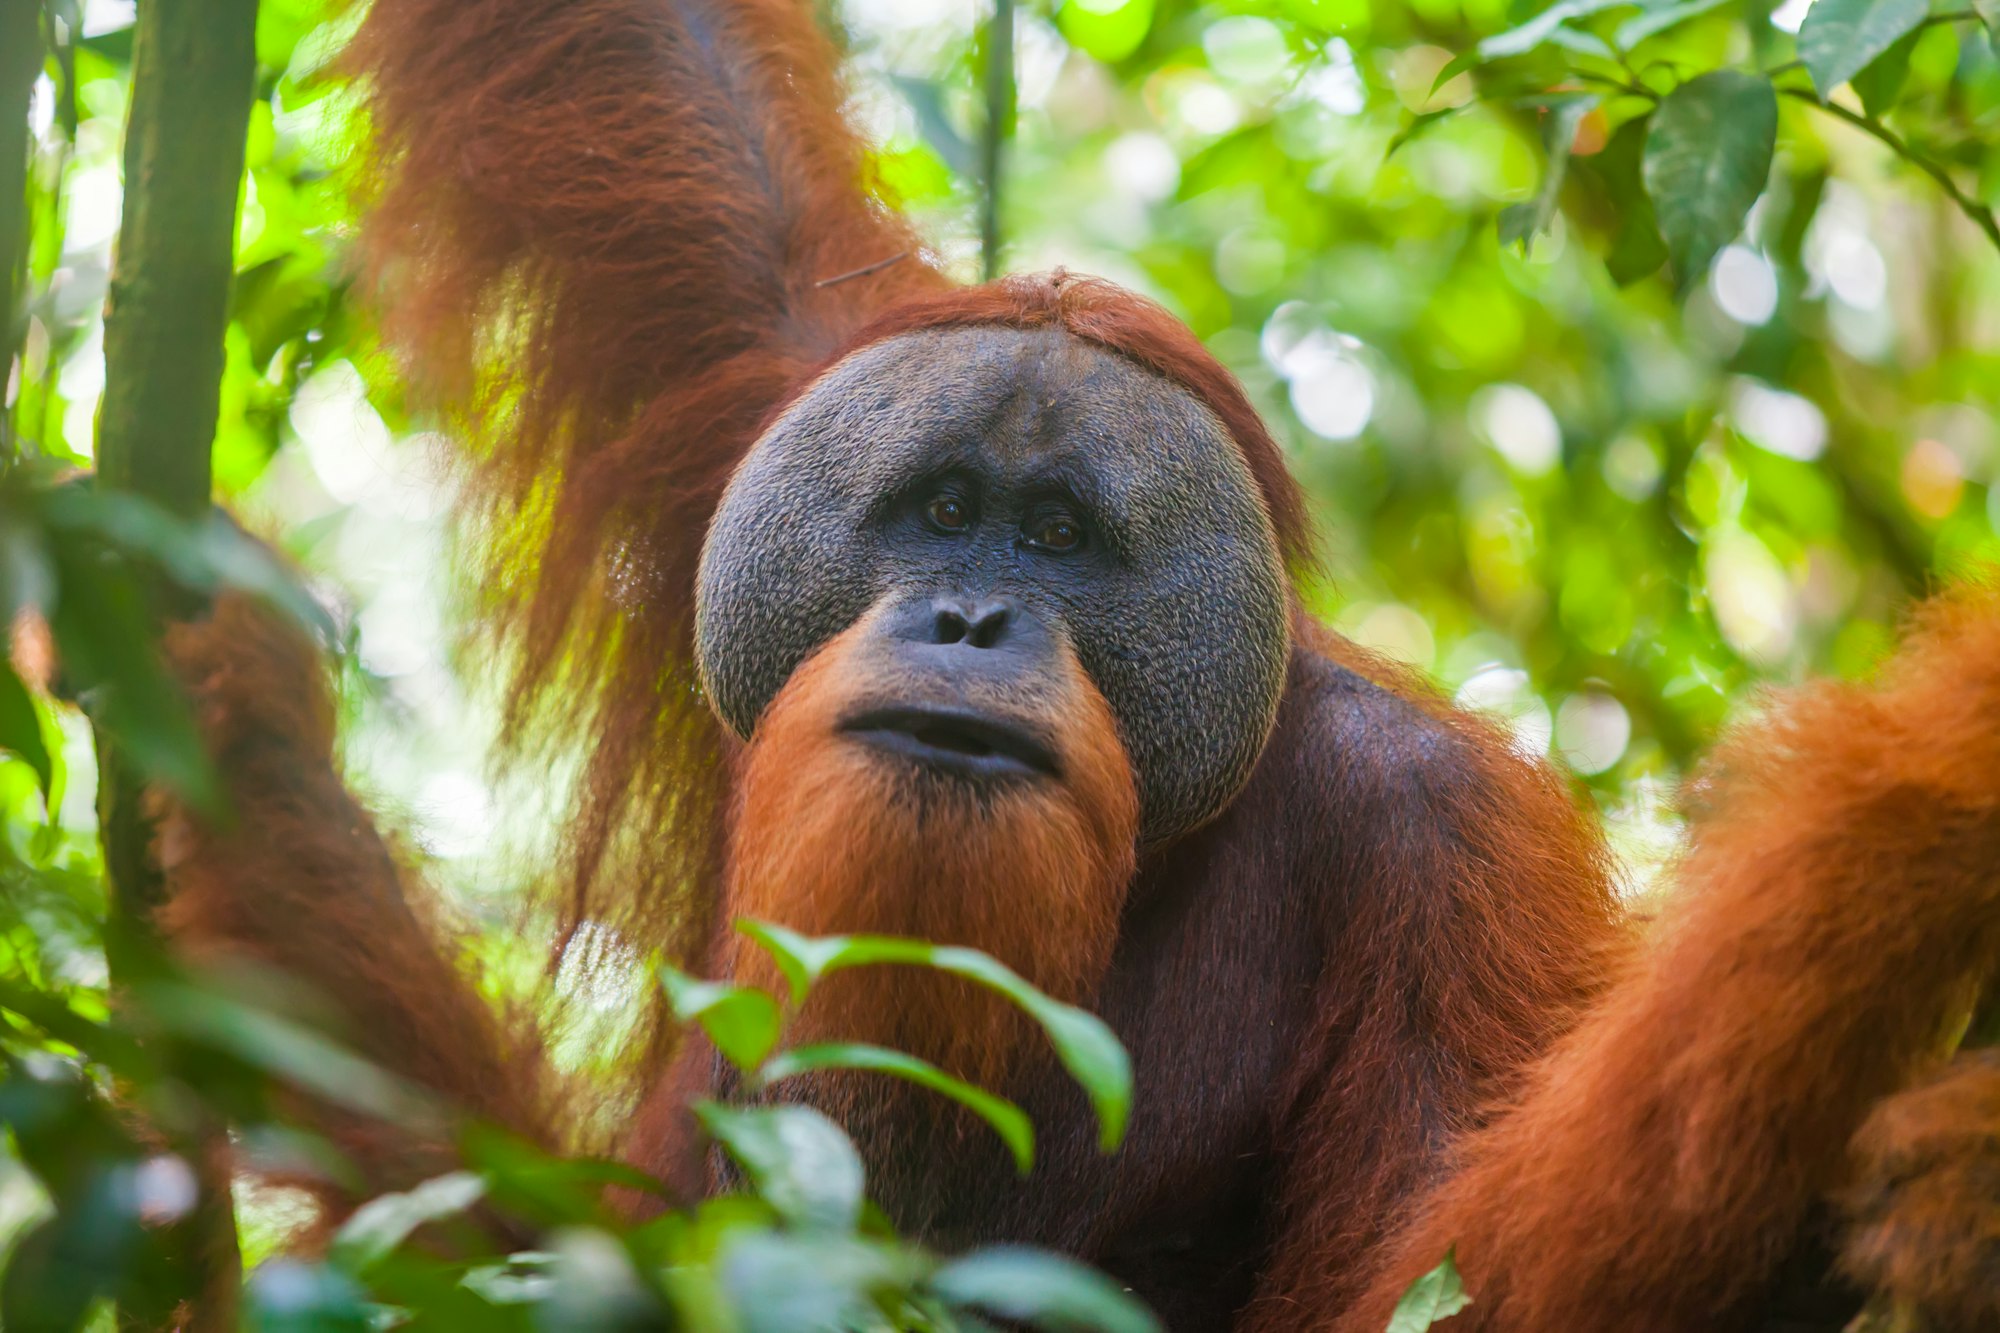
[297,880]
[599,228]
[1840,907]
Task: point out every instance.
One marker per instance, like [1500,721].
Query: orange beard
[832,837]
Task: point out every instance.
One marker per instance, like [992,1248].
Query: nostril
[989,622]
[974,624]
[951,626]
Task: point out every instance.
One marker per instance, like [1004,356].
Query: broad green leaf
[526,1181]
[1431,1299]
[780,1283]
[377,1227]
[741,1020]
[203,556]
[1041,1290]
[1636,248]
[1544,28]
[1880,84]
[1541,27]
[1652,22]
[1086,1046]
[1839,38]
[523,1279]
[288,1296]
[1708,153]
[21,727]
[106,644]
[1009,1121]
[59,1268]
[802,1164]
[1580,43]
[280,1047]
[1519,223]
[802,958]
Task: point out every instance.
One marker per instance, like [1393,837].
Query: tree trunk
[193,78]
[20,63]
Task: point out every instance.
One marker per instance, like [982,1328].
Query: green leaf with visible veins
[1708,153]
[1840,38]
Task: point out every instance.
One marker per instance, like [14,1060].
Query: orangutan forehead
[1019,392]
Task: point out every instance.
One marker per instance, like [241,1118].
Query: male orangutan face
[992,607]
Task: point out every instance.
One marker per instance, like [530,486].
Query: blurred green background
[1609,511]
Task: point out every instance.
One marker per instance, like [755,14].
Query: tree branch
[1982,216]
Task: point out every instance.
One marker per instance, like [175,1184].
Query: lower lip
[989,765]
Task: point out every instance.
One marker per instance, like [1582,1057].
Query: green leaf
[1432,1298]
[105,641]
[287,1296]
[1420,122]
[802,1164]
[1519,223]
[741,1020]
[1454,67]
[1881,83]
[1989,14]
[1087,1048]
[201,557]
[21,727]
[780,1283]
[1009,1121]
[280,1047]
[27,578]
[1041,1290]
[1653,22]
[1542,27]
[1708,153]
[1579,43]
[1839,38]
[377,1227]
[1636,248]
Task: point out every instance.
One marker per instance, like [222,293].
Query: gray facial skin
[1173,599]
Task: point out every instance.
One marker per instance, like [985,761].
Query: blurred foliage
[1631,354]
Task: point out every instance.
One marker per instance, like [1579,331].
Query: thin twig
[864,270]
[1982,216]
[999,127]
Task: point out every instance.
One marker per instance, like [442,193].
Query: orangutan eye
[948,513]
[1054,532]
